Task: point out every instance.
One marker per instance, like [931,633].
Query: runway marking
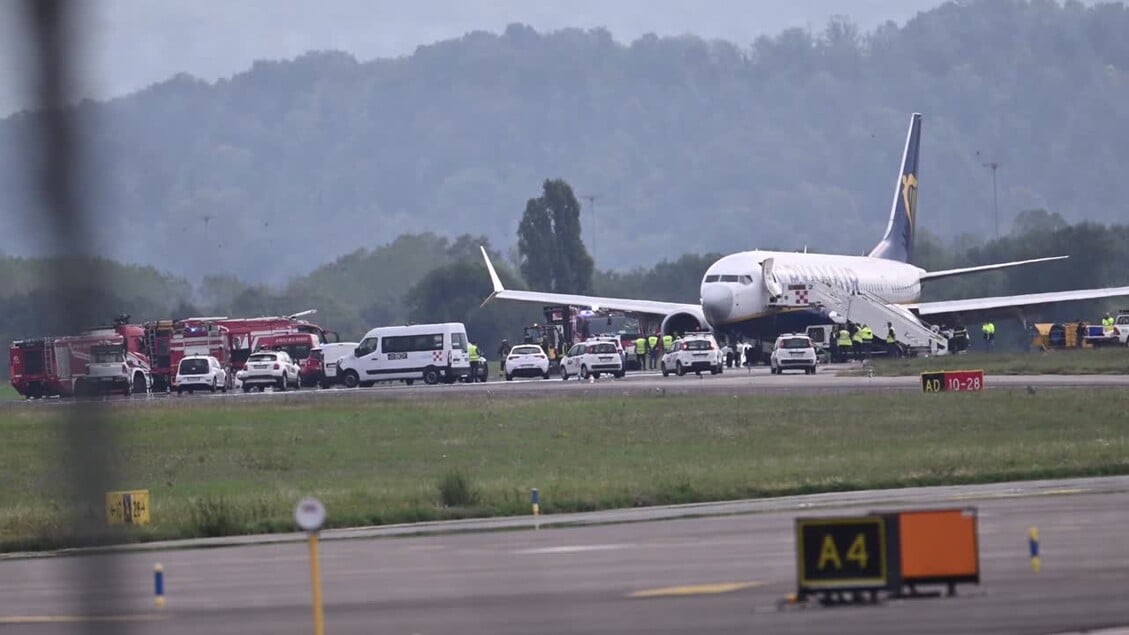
[76,619]
[695,589]
[1017,494]
[572,549]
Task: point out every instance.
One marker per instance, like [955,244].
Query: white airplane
[740,293]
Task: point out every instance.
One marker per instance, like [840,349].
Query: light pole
[592,217]
[995,165]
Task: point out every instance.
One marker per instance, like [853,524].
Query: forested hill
[689,146]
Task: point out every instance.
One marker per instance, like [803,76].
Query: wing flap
[947,273]
[649,307]
[972,305]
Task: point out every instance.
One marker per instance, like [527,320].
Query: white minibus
[431,352]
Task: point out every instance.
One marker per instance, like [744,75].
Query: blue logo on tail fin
[897,243]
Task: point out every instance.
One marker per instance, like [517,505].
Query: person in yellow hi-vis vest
[475,361]
[641,352]
[867,337]
[653,349]
[844,344]
[988,330]
[856,343]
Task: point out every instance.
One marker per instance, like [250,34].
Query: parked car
[320,367]
[269,368]
[200,372]
[695,353]
[527,360]
[794,350]
[591,359]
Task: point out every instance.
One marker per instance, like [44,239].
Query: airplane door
[771,284]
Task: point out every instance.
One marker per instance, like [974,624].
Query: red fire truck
[50,366]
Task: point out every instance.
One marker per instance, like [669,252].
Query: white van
[431,352]
[320,368]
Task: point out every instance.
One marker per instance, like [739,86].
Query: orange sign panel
[938,544]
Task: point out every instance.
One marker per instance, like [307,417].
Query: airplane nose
[717,302]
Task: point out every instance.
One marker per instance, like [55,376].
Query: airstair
[863,307]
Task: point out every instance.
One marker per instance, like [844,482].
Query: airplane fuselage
[735,292]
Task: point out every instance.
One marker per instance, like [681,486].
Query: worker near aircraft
[891,341]
[641,352]
[844,343]
[653,346]
[867,336]
[475,361]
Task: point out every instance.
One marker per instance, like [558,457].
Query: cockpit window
[729,278]
[713,277]
[746,279]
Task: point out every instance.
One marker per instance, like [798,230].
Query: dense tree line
[687,146]
[427,278]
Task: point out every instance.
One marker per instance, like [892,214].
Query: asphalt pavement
[718,574]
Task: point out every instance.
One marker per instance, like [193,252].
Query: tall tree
[553,255]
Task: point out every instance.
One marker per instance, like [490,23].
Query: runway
[753,381]
[692,575]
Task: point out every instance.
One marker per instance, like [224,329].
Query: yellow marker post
[1033,545]
[315,582]
[310,515]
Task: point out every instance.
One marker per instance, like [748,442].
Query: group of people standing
[859,341]
[649,348]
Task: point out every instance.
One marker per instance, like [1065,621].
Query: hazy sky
[129,44]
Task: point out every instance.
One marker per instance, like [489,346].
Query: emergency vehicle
[51,366]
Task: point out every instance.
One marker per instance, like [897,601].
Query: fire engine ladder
[863,307]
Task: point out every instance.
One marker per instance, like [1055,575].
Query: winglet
[494,279]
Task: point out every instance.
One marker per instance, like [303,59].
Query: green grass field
[1100,361]
[7,393]
[240,468]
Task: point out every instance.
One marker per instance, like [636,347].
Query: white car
[695,353]
[269,368]
[793,350]
[527,360]
[200,372]
[592,358]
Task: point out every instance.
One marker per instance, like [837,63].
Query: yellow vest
[891,337]
[473,350]
[844,337]
[653,341]
[668,341]
[867,334]
[640,346]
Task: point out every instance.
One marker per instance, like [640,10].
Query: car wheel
[281,387]
[352,380]
[584,372]
[509,377]
[431,376]
[213,385]
[139,384]
[564,374]
[813,370]
[662,367]
[545,375]
[678,369]
[595,375]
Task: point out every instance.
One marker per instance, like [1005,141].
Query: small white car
[269,368]
[696,353]
[200,372]
[527,360]
[591,359]
[794,350]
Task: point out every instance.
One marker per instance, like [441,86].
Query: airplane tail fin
[897,244]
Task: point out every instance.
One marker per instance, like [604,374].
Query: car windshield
[316,355]
[697,345]
[526,350]
[795,342]
[602,347]
[194,367]
[262,357]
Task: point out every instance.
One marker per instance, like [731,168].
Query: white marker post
[310,514]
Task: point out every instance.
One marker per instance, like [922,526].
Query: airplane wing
[934,275]
[649,307]
[998,303]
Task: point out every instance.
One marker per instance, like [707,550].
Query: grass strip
[236,469]
[1099,361]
